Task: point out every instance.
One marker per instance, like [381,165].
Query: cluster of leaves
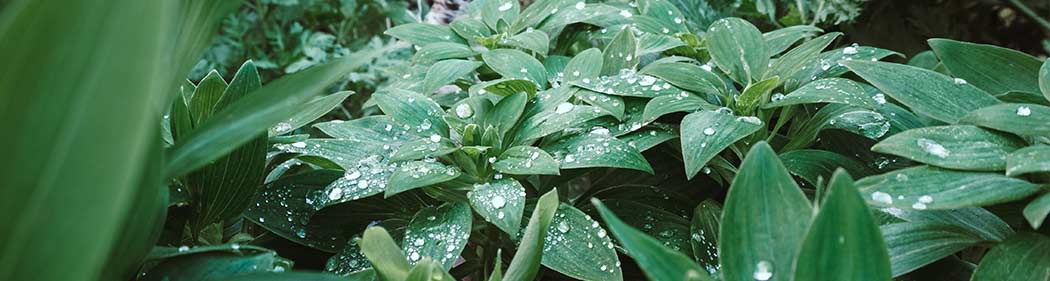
[287,36]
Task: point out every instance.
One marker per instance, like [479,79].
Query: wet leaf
[439,233]
[994,69]
[577,246]
[597,149]
[707,133]
[1019,119]
[1021,257]
[926,92]
[526,160]
[925,187]
[737,47]
[500,202]
[658,262]
[416,174]
[954,147]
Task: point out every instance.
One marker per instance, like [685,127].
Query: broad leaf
[418,174]
[816,166]
[844,242]
[439,233]
[828,90]
[422,34]
[792,62]
[526,160]
[737,47]
[309,112]
[526,261]
[500,202]
[686,76]
[681,102]
[1020,119]
[515,64]
[442,51]
[707,133]
[1023,257]
[630,84]
[563,116]
[765,217]
[578,247]
[657,261]
[532,40]
[420,114]
[586,64]
[210,263]
[994,69]
[1044,79]
[926,92]
[914,245]
[925,187]
[447,71]
[620,54]
[955,147]
[781,39]
[597,149]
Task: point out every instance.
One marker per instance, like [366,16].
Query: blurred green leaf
[1021,257]
[526,261]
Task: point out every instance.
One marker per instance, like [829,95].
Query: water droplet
[1024,111]
[580,5]
[926,199]
[564,108]
[776,97]
[301,233]
[464,111]
[960,81]
[498,202]
[506,6]
[335,194]
[709,131]
[414,256]
[849,50]
[184,248]
[933,148]
[563,227]
[419,242]
[601,233]
[882,197]
[435,138]
[763,271]
[353,175]
[299,144]
[879,98]
[918,206]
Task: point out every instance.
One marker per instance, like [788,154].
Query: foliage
[709,149]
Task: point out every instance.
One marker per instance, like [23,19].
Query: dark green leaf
[856,120]
[994,69]
[650,136]
[578,247]
[526,160]
[630,84]
[1035,212]
[586,64]
[309,112]
[420,113]
[926,92]
[526,261]
[814,165]
[563,116]
[914,245]
[765,217]
[658,262]
[621,53]
[1022,257]
[441,51]
[447,71]
[211,263]
[925,187]
[955,147]
[516,64]
[682,102]
[707,133]
[707,218]
[418,174]
[827,90]
[1020,119]
[597,149]
[780,40]
[844,242]
[792,62]
[1044,79]
[439,233]
[737,47]
[500,202]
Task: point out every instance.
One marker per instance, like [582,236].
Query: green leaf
[844,242]
[578,247]
[435,52]
[531,40]
[526,261]
[537,12]
[978,221]
[386,258]
[926,92]
[737,47]
[954,147]
[653,43]
[492,11]
[1020,119]
[707,218]
[264,108]
[925,187]
[210,263]
[500,202]
[82,103]
[660,218]
[856,120]
[629,84]
[586,64]
[994,69]
[1036,210]
[447,71]
[421,114]
[650,136]
[780,40]
[526,160]
[682,102]
[707,133]
[915,245]
[418,174]
[621,53]
[470,28]
[687,76]
[349,260]
[309,112]
[827,90]
[765,217]
[434,146]
[427,270]
[1044,79]
[597,149]
[506,114]
[816,166]
[613,105]
[224,188]
[565,115]
[787,65]
[506,87]
[422,34]
[516,64]
[209,91]
[1021,257]
[658,262]
[755,95]
[439,233]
